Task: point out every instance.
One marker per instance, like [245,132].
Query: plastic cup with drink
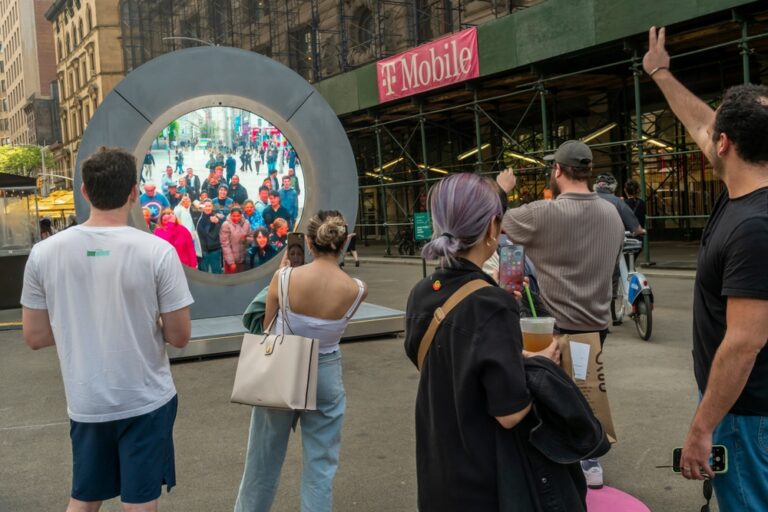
[537,333]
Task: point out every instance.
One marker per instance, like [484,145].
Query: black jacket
[209,233]
[559,431]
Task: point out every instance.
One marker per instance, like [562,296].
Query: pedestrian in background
[730,298]
[171,230]
[120,395]
[321,300]
[633,200]
[575,242]
[235,236]
[209,230]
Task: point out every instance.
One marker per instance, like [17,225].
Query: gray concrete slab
[651,388]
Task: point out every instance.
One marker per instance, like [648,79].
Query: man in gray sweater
[574,241]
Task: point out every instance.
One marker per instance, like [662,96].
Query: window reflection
[230,180]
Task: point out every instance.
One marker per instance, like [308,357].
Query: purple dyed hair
[462,206]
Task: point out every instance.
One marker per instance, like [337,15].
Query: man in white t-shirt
[88,291]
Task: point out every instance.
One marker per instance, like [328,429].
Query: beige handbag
[278,370]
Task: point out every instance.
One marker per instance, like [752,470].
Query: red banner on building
[442,62]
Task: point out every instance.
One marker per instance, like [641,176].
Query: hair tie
[447,235]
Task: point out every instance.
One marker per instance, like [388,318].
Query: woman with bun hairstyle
[171,230]
[321,300]
[472,402]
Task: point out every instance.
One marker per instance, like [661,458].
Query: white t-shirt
[104,289]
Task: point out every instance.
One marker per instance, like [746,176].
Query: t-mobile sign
[446,61]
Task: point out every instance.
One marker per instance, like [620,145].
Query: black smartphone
[296,249]
[718,460]
[511,268]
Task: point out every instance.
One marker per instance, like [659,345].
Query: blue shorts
[130,458]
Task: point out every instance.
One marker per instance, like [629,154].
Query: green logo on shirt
[98,252]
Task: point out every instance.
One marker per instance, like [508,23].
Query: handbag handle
[440,314]
[282,292]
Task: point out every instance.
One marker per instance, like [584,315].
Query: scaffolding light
[602,131]
[433,169]
[519,156]
[389,164]
[471,152]
[657,143]
[378,176]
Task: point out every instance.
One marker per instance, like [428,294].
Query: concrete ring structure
[172,85]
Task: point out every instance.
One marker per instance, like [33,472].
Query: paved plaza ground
[650,384]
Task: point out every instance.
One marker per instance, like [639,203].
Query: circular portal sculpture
[163,89]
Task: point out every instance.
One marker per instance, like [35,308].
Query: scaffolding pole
[544,120]
[637,69]
[383,193]
[478,134]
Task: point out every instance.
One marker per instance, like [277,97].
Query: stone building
[89,63]
[28,68]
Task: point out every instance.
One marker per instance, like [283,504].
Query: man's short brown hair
[577,173]
[109,176]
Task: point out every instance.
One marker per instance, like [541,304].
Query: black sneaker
[357,263]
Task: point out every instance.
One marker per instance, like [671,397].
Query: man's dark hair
[224,187]
[577,173]
[263,187]
[632,188]
[109,176]
[743,116]
[274,193]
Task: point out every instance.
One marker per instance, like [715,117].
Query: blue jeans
[211,260]
[321,442]
[744,488]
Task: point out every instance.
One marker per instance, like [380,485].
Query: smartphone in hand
[296,249]
[511,267]
[718,460]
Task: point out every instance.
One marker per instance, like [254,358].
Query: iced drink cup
[537,333]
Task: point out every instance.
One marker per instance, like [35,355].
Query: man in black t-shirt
[730,307]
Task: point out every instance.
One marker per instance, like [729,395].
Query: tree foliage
[23,160]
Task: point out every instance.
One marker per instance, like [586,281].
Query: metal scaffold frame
[649,144]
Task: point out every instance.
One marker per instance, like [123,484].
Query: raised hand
[506,180]
[657,57]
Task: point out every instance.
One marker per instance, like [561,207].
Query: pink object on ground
[609,499]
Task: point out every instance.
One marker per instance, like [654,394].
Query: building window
[85,73]
[89,17]
[362,30]
[80,26]
[58,49]
[69,44]
[92,58]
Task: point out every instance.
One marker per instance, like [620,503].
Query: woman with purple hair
[472,403]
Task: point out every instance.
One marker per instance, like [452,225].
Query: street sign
[422,226]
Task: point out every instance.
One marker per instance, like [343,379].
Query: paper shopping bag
[582,358]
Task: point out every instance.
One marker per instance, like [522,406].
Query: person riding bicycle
[605,187]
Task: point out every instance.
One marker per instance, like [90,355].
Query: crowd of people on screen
[216,225]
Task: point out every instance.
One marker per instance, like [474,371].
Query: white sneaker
[593,472]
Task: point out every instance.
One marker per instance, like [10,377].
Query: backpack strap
[442,311]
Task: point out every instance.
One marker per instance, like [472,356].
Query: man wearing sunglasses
[730,308]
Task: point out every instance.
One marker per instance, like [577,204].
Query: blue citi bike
[634,296]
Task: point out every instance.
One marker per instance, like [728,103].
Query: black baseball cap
[572,153]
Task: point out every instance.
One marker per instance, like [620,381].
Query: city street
[650,385]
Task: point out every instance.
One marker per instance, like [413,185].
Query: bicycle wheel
[643,317]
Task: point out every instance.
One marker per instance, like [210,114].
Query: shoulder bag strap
[285,279]
[442,311]
[280,300]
